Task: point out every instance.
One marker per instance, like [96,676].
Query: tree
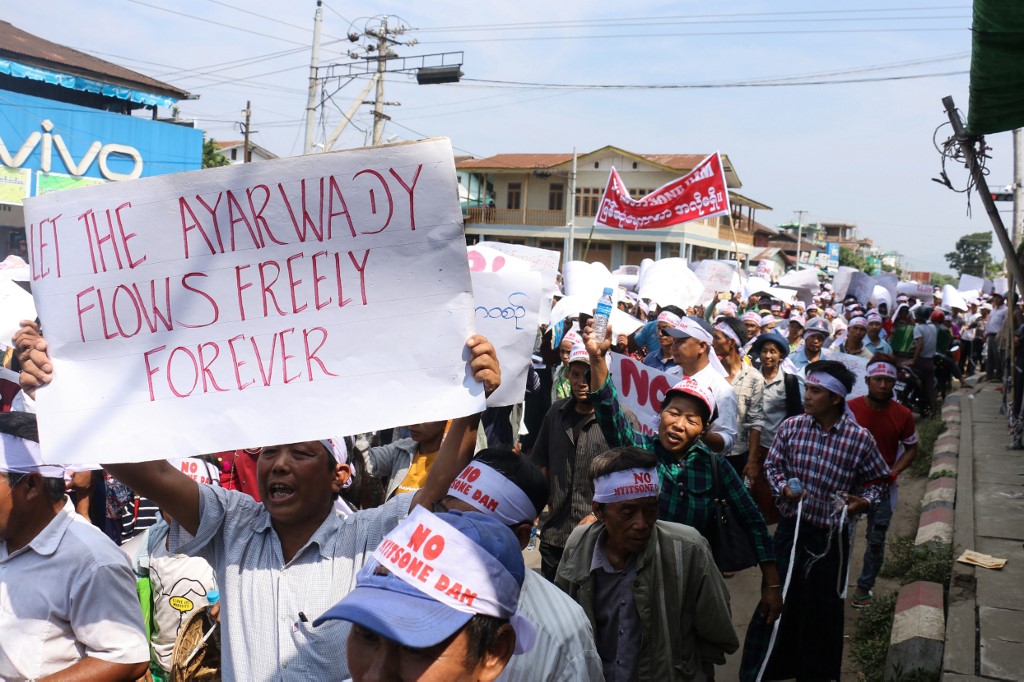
[971,254]
[852,259]
[940,280]
[212,158]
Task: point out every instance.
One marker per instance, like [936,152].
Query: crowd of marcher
[399,554]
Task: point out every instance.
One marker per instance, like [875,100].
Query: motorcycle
[945,369]
[909,392]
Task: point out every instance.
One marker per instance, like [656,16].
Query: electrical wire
[276,20]
[571,23]
[215,23]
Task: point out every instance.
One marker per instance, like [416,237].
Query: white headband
[630,484]
[874,317]
[669,317]
[882,369]
[20,456]
[698,332]
[859,321]
[434,557]
[339,450]
[493,495]
[828,382]
[727,330]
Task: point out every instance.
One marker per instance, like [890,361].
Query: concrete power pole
[378,103]
[247,154]
[314,62]
[570,211]
[799,235]
[1018,191]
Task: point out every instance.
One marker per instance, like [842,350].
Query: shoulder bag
[732,545]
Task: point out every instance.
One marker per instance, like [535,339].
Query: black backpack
[794,401]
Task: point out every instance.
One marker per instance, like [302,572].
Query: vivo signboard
[47,145]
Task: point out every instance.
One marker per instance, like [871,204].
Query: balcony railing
[726,234]
[515,216]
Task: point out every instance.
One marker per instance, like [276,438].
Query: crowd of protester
[303,554]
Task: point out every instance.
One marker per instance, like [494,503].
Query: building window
[515,195]
[556,197]
[639,193]
[234,154]
[588,199]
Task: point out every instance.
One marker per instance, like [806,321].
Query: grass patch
[870,642]
[928,431]
[906,562]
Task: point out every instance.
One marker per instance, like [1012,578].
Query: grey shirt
[928,335]
[617,618]
[263,633]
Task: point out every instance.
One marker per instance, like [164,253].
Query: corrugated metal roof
[515,161]
[26,48]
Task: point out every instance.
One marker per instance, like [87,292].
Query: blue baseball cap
[390,607]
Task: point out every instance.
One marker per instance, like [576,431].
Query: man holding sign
[290,555]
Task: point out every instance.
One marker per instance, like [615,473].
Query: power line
[276,20]
[337,14]
[691,34]
[215,23]
[617,21]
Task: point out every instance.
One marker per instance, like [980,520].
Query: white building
[234,151]
[521,198]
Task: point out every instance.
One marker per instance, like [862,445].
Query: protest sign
[920,291]
[861,286]
[506,313]
[968,282]
[890,281]
[801,279]
[715,275]
[841,282]
[670,282]
[640,388]
[859,367]
[14,268]
[880,296]
[698,195]
[764,270]
[787,296]
[1000,285]
[255,304]
[15,305]
[485,259]
[951,298]
[589,280]
[623,323]
[756,285]
[571,306]
[544,261]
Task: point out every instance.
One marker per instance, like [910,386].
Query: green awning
[997,67]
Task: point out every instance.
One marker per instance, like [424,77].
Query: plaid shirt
[844,459]
[687,484]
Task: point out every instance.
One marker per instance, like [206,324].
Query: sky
[856,152]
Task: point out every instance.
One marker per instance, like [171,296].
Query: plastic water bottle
[532,544]
[601,315]
[795,486]
[212,597]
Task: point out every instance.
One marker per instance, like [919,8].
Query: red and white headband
[669,317]
[828,382]
[631,484]
[727,330]
[493,495]
[882,369]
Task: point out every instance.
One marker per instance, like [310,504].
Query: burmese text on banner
[698,195]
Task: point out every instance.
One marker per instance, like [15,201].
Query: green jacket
[680,594]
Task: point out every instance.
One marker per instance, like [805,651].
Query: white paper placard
[859,367]
[968,282]
[670,282]
[920,291]
[255,304]
[801,279]
[861,287]
[951,298]
[623,323]
[544,261]
[841,282]
[15,305]
[640,388]
[506,313]
[715,275]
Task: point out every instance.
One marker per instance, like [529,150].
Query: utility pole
[314,62]
[570,211]
[247,154]
[378,103]
[1018,191]
[799,235]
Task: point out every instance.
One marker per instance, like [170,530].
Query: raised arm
[459,444]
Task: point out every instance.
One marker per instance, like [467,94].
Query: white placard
[623,323]
[670,282]
[506,313]
[544,261]
[14,268]
[841,282]
[880,295]
[254,304]
[755,285]
[765,269]
[801,279]
[485,259]
[15,305]
[861,287]
[951,298]
[968,282]
[588,280]
[715,275]
[916,290]
[640,388]
[890,281]
[859,367]
[1000,285]
[787,296]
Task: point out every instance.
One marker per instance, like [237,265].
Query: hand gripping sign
[262,303]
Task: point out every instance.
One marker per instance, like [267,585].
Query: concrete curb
[938,503]
[918,631]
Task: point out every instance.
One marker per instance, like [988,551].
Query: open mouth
[278,492]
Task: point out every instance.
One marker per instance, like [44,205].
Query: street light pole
[799,235]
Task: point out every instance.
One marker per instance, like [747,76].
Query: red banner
[699,194]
